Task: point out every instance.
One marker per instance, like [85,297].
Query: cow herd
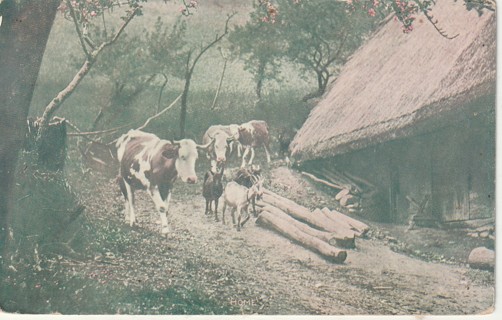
[153,164]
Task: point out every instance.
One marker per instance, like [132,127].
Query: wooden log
[348,199]
[340,176]
[269,220]
[332,238]
[342,194]
[343,223]
[354,223]
[324,182]
[301,213]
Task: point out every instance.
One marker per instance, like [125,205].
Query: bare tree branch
[159,113]
[54,105]
[77,28]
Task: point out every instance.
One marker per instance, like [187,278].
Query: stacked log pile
[323,231]
[353,193]
[487,231]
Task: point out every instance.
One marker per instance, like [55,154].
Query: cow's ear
[170,153]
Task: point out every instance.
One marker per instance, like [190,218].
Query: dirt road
[258,271]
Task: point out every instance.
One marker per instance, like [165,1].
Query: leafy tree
[404,10]
[261,47]
[22,44]
[24,29]
[321,48]
[316,35]
[83,14]
[127,66]
[171,50]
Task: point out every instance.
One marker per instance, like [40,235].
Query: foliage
[318,48]
[168,47]
[261,48]
[405,11]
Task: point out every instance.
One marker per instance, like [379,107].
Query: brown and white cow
[232,141]
[152,164]
[254,134]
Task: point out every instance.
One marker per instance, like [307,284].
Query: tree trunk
[290,231]
[184,99]
[184,96]
[260,76]
[361,227]
[330,237]
[317,220]
[23,36]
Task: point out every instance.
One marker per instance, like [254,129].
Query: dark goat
[212,189]
[284,138]
[247,177]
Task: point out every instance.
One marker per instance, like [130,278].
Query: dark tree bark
[190,67]
[23,36]
[260,76]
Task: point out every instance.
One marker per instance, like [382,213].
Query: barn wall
[453,166]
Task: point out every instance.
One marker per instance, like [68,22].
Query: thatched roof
[396,83]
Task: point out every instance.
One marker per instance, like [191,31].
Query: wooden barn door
[450,175]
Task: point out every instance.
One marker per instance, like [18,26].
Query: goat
[247,177]
[238,197]
[212,189]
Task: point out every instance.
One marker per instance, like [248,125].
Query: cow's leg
[207,207]
[252,156]
[123,190]
[161,206]
[239,149]
[129,204]
[267,152]
[244,155]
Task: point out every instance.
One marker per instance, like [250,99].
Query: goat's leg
[233,216]
[216,206]
[206,212]
[267,152]
[246,210]
[253,202]
[161,206]
[239,217]
[222,213]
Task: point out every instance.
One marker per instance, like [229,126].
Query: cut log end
[347,243]
[339,258]
[291,231]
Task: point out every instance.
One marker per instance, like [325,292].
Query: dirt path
[258,271]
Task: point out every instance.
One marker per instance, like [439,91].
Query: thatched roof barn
[396,83]
[410,120]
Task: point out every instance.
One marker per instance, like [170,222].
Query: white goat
[238,197]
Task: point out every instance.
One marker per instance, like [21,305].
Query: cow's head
[221,147]
[187,156]
[234,131]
